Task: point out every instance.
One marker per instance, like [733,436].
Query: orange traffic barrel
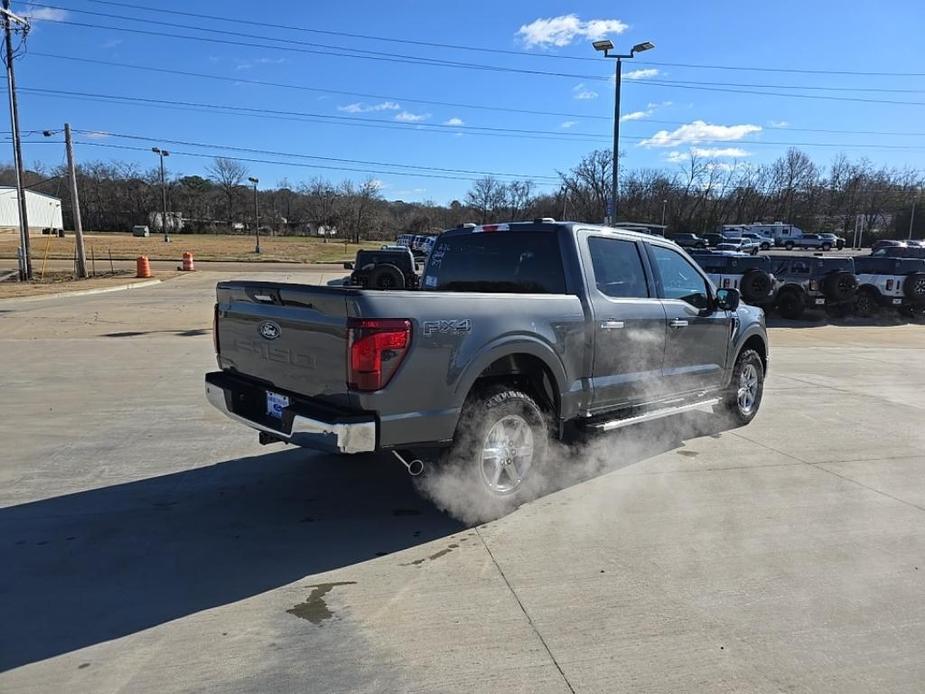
[188,265]
[142,266]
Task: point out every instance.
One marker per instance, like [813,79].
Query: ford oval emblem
[269,330]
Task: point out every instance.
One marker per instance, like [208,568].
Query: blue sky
[394,125]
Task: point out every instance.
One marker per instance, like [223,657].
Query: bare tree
[486,197]
[228,175]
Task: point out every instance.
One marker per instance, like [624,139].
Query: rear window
[517,262]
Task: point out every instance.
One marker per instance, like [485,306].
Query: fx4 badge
[447,327]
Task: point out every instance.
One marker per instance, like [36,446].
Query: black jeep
[813,282]
[387,268]
[751,275]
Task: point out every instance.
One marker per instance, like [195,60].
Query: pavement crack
[524,610]
[865,486]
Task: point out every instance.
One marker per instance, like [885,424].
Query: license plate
[819,302]
[276,403]
[897,301]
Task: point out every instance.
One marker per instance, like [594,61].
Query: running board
[612,424]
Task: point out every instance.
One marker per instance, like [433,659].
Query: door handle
[678,323]
[611,324]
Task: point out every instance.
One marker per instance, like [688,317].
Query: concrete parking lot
[147,544]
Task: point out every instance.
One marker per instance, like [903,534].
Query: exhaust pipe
[415,467]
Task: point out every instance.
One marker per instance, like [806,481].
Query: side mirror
[348,266]
[727,299]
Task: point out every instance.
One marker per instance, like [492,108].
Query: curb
[83,292]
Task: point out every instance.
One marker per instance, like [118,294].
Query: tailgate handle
[263,296]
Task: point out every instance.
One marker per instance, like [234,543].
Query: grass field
[296,249]
[59,282]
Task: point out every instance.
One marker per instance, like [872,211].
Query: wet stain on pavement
[315,609]
[689,454]
[435,555]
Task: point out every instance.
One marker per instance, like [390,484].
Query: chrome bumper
[335,437]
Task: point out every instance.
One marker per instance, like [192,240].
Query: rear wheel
[498,451]
[789,245]
[827,246]
[866,304]
[790,305]
[746,389]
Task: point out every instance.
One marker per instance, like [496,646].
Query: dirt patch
[296,249]
[58,282]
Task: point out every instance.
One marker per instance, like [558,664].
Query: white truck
[779,232]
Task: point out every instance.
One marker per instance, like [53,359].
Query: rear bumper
[304,423]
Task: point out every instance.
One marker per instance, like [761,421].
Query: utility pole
[25,262]
[163,153]
[75,204]
[255,181]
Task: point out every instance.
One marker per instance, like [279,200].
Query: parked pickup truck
[520,333]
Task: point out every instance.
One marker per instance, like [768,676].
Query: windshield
[526,262]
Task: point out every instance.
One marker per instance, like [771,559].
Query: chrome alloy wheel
[748,388]
[507,454]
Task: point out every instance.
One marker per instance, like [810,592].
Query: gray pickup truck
[520,333]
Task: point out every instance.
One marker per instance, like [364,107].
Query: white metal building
[42,210]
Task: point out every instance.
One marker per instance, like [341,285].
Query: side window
[617,268]
[680,280]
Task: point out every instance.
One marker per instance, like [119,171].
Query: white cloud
[112,43]
[46,14]
[408,117]
[642,74]
[569,124]
[652,105]
[583,93]
[365,108]
[454,121]
[699,131]
[635,115]
[270,61]
[715,152]
[564,29]
[97,135]
[778,123]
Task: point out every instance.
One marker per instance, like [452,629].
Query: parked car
[890,282]
[751,275]
[141,230]
[388,268]
[765,243]
[883,243]
[904,251]
[837,241]
[737,246]
[713,239]
[810,241]
[523,332]
[919,243]
[808,282]
[689,241]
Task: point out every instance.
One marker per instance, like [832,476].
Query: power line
[285,85]
[363,55]
[417,127]
[230,148]
[303,165]
[482,49]
[430,102]
[679,85]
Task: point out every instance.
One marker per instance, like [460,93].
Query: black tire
[827,246]
[914,286]
[755,285]
[790,304]
[733,405]
[766,246]
[839,286]
[866,303]
[789,245]
[471,474]
[386,276]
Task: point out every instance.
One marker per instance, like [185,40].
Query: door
[698,336]
[629,323]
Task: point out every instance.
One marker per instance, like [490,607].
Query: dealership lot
[149,544]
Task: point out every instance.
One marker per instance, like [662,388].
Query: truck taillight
[215,341]
[375,349]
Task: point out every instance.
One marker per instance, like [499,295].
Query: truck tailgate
[292,336]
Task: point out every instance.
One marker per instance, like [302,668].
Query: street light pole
[163,153]
[664,207]
[912,216]
[605,46]
[255,181]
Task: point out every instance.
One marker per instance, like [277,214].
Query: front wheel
[746,389]
[497,455]
[789,245]
[866,304]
